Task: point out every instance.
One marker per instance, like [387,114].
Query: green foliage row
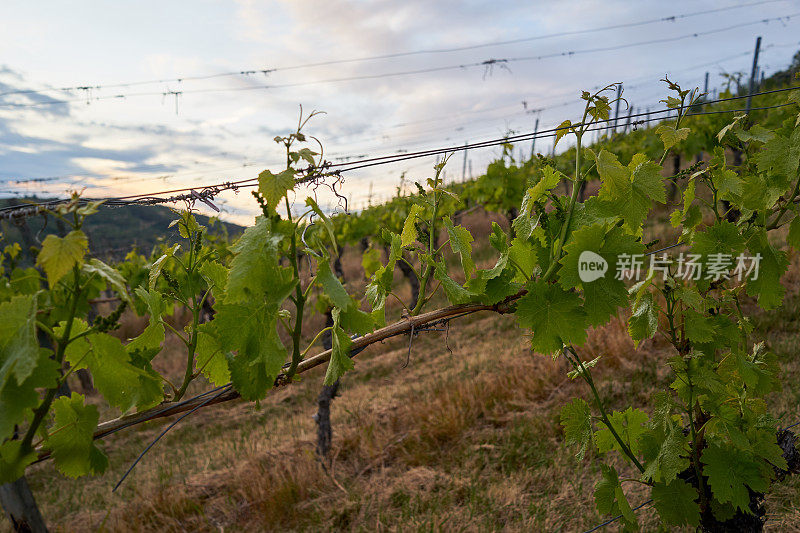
[706,445]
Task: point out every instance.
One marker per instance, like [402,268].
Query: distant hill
[112,231]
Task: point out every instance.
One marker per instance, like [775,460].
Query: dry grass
[466,438]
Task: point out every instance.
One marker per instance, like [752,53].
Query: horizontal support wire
[206,193]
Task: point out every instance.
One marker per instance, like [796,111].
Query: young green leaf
[273,187]
[71,437]
[340,354]
[58,255]
[676,503]
[610,498]
[577,421]
[554,315]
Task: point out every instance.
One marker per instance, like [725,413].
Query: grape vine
[707,452]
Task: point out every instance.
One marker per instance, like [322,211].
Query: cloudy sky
[131,134]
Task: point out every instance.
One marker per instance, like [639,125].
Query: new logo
[591,266]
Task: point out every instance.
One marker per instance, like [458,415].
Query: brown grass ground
[465,438]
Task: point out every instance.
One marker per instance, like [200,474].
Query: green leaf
[18,400]
[683,216]
[158,265]
[340,354]
[577,421]
[688,294]
[110,275]
[123,384]
[780,156]
[555,316]
[550,178]
[730,472]
[615,178]
[58,255]
[630,425]
[250,330]
[357,321]
[254,268]
[699,328]
[604,295]
[610,499]
[460,243]
[562,129]
[671,136]
[371,261]
[721,238]
[456,294]
[71,437]
[522,254]
[19,348]
[666,454]
[727,182]
[524,225]
[211,359]
[643,322]
[409,234]
[676,503]
[216,276]
[647,186]
[767,285]
[13,462]
[332,286]
[273,187]
[585,239]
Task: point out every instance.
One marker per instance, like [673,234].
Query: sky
[131,134]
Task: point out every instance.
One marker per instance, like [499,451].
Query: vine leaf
[254,268]
[273,187]
[555,316]
[562,129]
[676,503]
[250,330]
[730,472]
[577,421]
[773,263]
[699,328]
[630,425]
[340,353]
[666,453]
[460,243]
[71,438]
[616,180]
[122,384]
[643,322]
[16,400]
[351,317]
[456,294]
[409,234]
[216,275]
[158,265]
[610,498]
[59,254]
[211,357]
[12,462]
[19,348]
[671,136]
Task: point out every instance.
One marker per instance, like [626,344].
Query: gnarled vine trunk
[326,396]
[413,280]
[20,507]
[754,521]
